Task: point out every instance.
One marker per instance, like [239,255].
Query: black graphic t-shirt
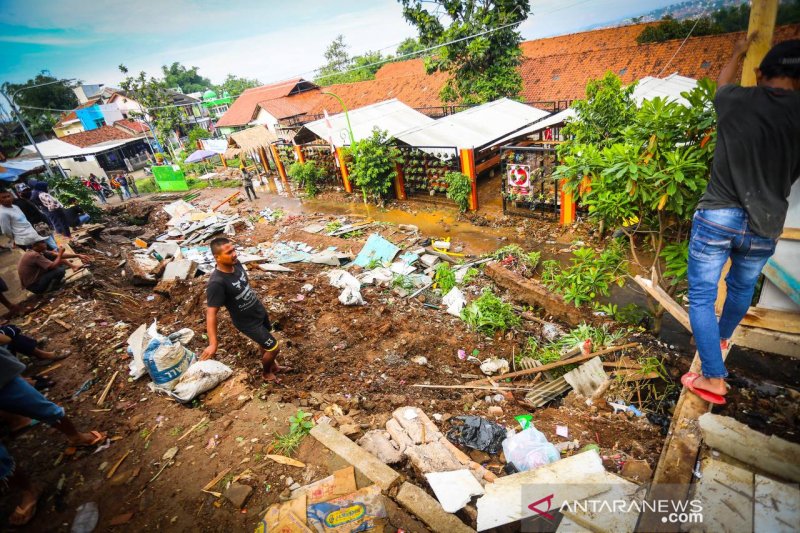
[233,291]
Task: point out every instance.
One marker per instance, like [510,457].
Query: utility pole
[763,14]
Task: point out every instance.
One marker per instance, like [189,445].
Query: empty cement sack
[200,377]
[351,287]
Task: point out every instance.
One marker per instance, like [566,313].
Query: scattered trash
[165,358]
[494,365]
[420,360]
[462,355]
[338,514]
[621,407]
[477,433]
[562,431]
[455,302]
[376,249]
[551,332]
[525,421]
[529,449]
[351,287]
[86,518]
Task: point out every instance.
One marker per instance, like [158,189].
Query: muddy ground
[353,363]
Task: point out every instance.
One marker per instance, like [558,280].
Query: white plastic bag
[165,358]
[529,449]
[351,287]
[494,365]
[200,377]
[455,301]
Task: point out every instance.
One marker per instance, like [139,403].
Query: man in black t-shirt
[742,213]
[228,286]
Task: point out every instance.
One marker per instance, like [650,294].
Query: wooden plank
[777,506]
[660,295]
[765,340]
[791,234]
[571,478]
[603,519]
[768,453]
[772,319]
[726,492]
[558,364]
[678,456]
[427,509]
[782,279]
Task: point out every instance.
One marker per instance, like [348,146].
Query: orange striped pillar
[299,151]
[567,205]
[224,163]
[468,169]
[279,164]
[399,182]
[348,187]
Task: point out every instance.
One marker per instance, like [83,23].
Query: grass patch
[488,314]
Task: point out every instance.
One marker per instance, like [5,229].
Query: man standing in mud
[742,213]
[228,286]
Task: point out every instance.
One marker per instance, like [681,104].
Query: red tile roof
[558,68]
[243,109]
[131,126]
[96,136]
[283,107]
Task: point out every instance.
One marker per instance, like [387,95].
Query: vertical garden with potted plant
[374,165]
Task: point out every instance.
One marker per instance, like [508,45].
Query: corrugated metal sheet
[55,148]
[670,88]
[475,127]
[390,115]
[552,120]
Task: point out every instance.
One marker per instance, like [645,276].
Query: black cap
[784,56]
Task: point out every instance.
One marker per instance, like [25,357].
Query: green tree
[341,68]
[195,134]
[481,68]
[186,79]
[155,97]
[646,174]
[409,46]
[55,96]
[234,85]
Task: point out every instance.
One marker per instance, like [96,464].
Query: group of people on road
[121,184]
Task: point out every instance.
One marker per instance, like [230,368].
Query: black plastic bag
[477,433]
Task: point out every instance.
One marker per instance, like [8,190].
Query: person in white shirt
[14,224]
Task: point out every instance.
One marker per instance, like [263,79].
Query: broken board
[777,506]
[726,493]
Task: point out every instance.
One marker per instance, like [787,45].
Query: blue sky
[266,39]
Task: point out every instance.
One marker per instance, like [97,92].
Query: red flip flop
[688,380]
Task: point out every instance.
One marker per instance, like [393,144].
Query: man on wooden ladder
[742,213]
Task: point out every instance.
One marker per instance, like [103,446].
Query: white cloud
[48,40]
[274,55]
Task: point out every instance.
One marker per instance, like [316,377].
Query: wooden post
[567,206]
[399,182]
[279,164]
[222,158]
[348,187]
[262,155]
[763,14]
[299,151]
[468,169]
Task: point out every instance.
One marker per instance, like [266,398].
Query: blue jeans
[719,234]
[19,397]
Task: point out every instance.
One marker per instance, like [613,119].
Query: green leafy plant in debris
[588,275]
[470,275]
[300,425]
[353,234]
[444,278]
[374,263]
[459,189]
[600,336]
[402,281]
[629,314]
[307,175]
[332,226]
[528,259]
[373,167]
[488,314]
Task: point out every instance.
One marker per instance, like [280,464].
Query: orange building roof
[96,136]
[244,108]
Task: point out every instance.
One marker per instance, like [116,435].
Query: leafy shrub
[307,175]
[68,190]
[588,274]
[373,167]
[444,278]
[459,189]
[488,313]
